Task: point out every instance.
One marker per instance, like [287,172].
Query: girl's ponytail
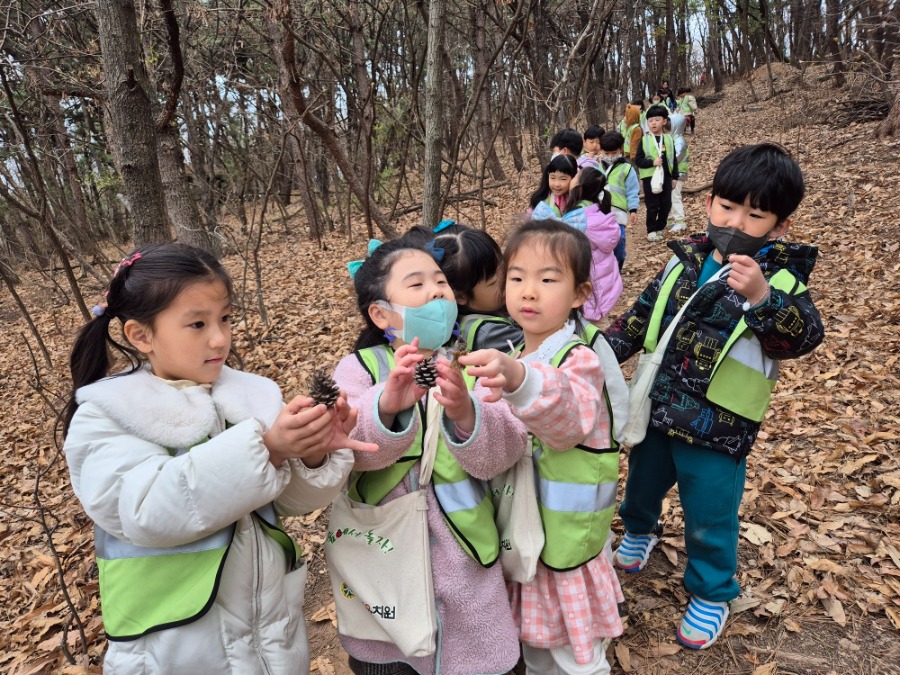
[591,187]
[90,359]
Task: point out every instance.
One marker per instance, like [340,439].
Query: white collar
[551,345]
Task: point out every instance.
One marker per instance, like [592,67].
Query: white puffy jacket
[134,489]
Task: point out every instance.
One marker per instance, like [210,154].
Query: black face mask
[728,240]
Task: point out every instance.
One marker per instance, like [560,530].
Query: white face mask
[611,159]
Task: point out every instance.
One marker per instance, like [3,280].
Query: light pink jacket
[603,232]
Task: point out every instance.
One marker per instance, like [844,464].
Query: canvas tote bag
[518,518]
[379,561]
[641,384]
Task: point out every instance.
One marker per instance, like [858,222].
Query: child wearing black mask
[717,373]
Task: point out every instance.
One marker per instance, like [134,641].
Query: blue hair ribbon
[443,225]
[436,252]
[354,265]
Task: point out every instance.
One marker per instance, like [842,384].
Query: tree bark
[130,106]
[431,198]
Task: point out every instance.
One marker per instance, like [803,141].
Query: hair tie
[98,310]
[443,225]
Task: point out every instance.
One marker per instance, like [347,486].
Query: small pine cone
[459,349]
[323,388]
[426,373]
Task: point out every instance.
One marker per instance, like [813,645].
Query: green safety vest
[465,501]
[615,184]
[144,590]
[684,162]
[576,495]
[652,152]
[471,323]
[684,107]
[742,360]
[626,133]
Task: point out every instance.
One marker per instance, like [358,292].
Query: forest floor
[820,532]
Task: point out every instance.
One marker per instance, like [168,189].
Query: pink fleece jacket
[478,634]
[604,233]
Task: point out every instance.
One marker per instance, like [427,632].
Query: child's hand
[300,429]
[497,371]
[309,432]
[632,219]
[657,161]
[344,418]
[747,279]
[454,396]
[400,391]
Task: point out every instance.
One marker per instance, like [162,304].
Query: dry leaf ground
[820,545]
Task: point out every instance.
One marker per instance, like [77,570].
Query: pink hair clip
[127,262]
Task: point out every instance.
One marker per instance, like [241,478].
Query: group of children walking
[186,466]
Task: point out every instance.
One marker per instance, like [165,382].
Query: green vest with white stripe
[651,151]
[743,377]
[576,495]
[626,132]
[615,184]
[144,590]
[465,501]
[684,162]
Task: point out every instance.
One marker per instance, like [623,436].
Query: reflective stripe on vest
[465,501]
[651,151]
[742,358]
[144,589]
[576,495]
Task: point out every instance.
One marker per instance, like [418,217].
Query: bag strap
[430,439]
[670,329]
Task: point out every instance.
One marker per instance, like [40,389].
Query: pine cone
[459,349]
[323,388]
[426,373]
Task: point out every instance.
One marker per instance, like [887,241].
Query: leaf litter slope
[820,540]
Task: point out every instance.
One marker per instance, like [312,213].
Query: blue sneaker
[702,623]
[634,551]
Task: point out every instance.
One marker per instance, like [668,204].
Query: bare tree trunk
[484,109]
[832,36]
[715,54]
[130,106]
[181,205]
[431,198]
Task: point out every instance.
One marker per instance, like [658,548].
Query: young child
[675,220]
[553,191]
[718,372]
[186,466]
[630,129]
[566,142]
[622,185]
[687,106]
[657,149]
[589,157]
[470,259]
[554,385]
[589,210]
[409,310]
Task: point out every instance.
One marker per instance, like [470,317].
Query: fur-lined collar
[155,411]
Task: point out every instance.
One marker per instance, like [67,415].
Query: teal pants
[710,485]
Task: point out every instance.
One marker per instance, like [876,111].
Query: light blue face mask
[432,323]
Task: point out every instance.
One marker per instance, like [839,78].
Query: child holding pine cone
[410,312]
